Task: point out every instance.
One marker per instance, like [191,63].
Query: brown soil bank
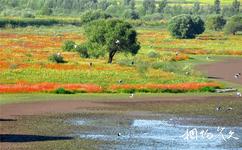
[224,70]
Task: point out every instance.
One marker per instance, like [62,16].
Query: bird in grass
[229,108]
[237,76]
[90,64]
[238,94]
[208,58]
[132,63]
[117,42]
[58,54]
[177,53]
[131,95]
[218,108]
[120,81]
[75,46]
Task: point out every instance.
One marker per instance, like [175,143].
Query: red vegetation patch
[180,57]
[47,87]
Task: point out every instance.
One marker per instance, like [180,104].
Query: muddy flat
[67,106]
[223,70]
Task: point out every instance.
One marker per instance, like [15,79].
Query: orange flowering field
[47,87]
[25,67]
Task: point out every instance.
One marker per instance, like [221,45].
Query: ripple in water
[139,134]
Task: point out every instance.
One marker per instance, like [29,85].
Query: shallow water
[144,134]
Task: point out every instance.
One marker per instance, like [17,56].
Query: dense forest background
[128,9]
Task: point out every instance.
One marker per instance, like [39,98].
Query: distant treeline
[23,22]
[148,10]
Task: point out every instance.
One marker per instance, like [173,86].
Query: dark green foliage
[186,26]
[35,22]
[149,6]
[57,58]
[155,16]
[46,11]
[215,22]
[112,36]
[131,14]
[162,6]
[126,2]
[217,7]
[235,6]
[94,15]
[63,91]
[196,8]
[68,45]
[103,5]
[28,14]
[82,50]
[234,25]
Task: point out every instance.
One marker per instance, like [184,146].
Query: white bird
[119,134]
[237,76]
[131,95]
[238,94]
[230,108]
[75,46]
[218,108]
[117,42]
[177,53]
[120,81]
[59,54]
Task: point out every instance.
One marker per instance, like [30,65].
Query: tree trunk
[111,55]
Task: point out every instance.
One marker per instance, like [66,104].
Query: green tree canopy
[94,15]
[234,25]
[186,26]
[111,36]
[217,7]
[215,22]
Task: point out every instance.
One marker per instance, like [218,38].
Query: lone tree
[162,6]
[215,22]
[196,8]
[149,6]
[235,6]
[217,7]
[186,26]
[234,25]
[112,36]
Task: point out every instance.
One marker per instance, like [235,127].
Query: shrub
[46,11]
[68,45]
[90,16]
[215,22]
[234,25]
[208,89]
[153,54]
[186,26]
[28,15]
[142,68]
[131,14]
[82,50]
[63,91]
[23,22]
[57,58]
[155,16]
